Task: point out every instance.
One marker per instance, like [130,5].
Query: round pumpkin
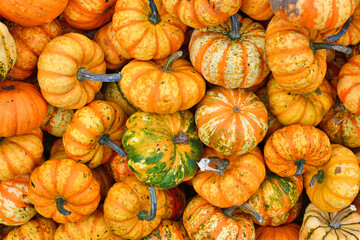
[232,54]
[163,86]
[168,229]
[8,51]
[285,232]
[19,154]
[56,120]
[22,108]
[334,185]
[231,121]
[37,228]
[64,190]
[119,167]
[296,149]
[257,9]
[175,203]
[162,148]
[234,178]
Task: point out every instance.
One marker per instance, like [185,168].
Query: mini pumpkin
[285,232]
[119,167]
[8,51]
[257,9]
[175,203]
[56,120]
[168,229]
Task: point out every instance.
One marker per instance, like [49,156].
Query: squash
[175,203]
[57,150]
[168,229]
[104,178]
[285,232]
[8,51]
[257,9]
[119,167]
[56,120]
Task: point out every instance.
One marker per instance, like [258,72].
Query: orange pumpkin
[257,9]
[175,203]
[168,229]
[285,232]
[22,108]
[295,149]
[145,30]
[119,167]
[56,120]
[8,51]
[57,150]
[104,178]
[64,190]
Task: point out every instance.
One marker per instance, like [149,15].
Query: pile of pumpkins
[180,119]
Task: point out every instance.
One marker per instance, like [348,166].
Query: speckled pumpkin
[232,54]
[56,120]
[175,203]
[8,51]
[285,232]
[119,167]
[231,121]
[162,149]
[166,230]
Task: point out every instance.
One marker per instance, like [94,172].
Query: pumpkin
[231,121]
[90,131]
[257,9]
[296,56]
[296,149]
[205,221]
[115,56]
[132,209]
[30,13]
[290,108]
[229,180]
[162,149]
[30,41]
[37,228]
[64,190]
[8,51]
[232,54]
[145,30]
[56,120]
[342,225]
[91,227]
[168,229]
[16,207]
[314,14]
[19,154]
[348,87]
[4,230]
[85,14]
[175,203]
[285,232]
[334,186]
[119,167]
[57,150]
[104,178]
[163,86]
[70,71]
[198,13]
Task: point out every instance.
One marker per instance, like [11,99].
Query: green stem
[318,177]
[154,16]
[300,165]
[335,223]
[143,214]
[316,46]
[234,34]
[171,60]
[83,74]
[60,202]
[341,32]
[107,141]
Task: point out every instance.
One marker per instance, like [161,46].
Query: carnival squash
[8,51]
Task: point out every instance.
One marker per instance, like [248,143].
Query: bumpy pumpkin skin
[8,51]
[124,201]
[37,228]
[56,120]
[291,59]
[257,9]
[168,229]
[241,178]
[57,69]
[227,62]
[199,13]
[231,121]
[314,14]
[339,184]
[348,88]
[285,232]
[142,39]
[204,221]
[162,149]
[290,108]
[316,225]
[289,145]
[69,180]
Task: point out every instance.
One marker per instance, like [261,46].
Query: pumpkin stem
[2,139]
[154,16]
[341,32]
[104,139]
[318,177]
[181,138]
[60,202]
[315,46]
[246,206]
[221,164]
[171,60]
[11,87]
[234,34]
[335,222]
[236,109]
[143,214]
[83,74]
[318,92]
[300,165]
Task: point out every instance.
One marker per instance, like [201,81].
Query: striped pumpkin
[168,230]
[56,120]
[285,232]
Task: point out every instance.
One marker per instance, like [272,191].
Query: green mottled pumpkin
[162,149]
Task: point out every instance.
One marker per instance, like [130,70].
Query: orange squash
[104,178]
[119,167]
[56,120]
[285,232]
[175,203]
[257,9]
[168,229]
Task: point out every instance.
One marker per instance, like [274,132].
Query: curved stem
[318,177]
[60,202]
[154,16]
[83,74]
[335,222]
[300,165]
[171,60]
[107,141]
[143,214]
[221,164]
[234,34]
[246,206]
[341,33]
[340,48]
